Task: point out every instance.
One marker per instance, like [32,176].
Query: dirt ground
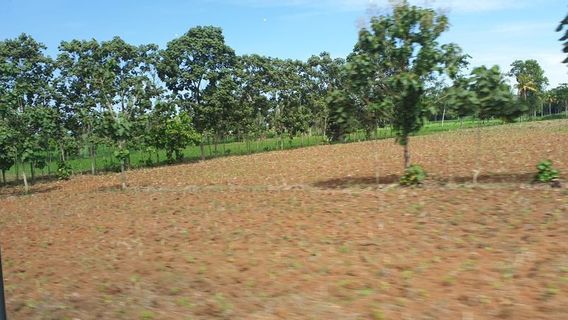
[313,233]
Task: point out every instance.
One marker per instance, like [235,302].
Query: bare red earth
[314,233]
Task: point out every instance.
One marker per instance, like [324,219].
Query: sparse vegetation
[546,172]
[413,175]
[283,232]
[218,245]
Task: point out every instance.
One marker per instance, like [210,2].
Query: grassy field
[105,160]
[312,233]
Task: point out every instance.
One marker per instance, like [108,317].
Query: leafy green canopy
[25,95]
[396,56]
[484,94]
[191,67]
[393,61]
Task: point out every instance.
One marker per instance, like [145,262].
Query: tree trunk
[209,145]
[477,153]
[443,115]
[49,163]
[122,166]
[4,176]
[325,128]
[17,170]
[62,153]
[32,171]
[406,155]
[26,187]
[202,149]
[93,160]
[122,174]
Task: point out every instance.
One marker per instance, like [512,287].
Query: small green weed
[413,175]
[546,172]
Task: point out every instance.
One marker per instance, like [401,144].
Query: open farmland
[313,233]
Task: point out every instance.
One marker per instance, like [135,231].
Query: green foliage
[122,154]
[192,65]
[63,170]
[546,172]
[25,74]
[493,95]
[485,94]
[531,83]
[178,134]
[413,175]
[394,57]
[7,148]
[290,98]
[564,38]
[144,102]
[341,112]
[529,76]
[171,131]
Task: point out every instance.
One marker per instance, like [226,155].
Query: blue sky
[491,31]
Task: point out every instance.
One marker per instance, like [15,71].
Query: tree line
[198,91]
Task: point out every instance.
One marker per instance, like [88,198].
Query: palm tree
[526,84]
[550,98]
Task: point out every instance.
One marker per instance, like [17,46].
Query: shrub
[413,175]
[63,170]
[112,167]
[546,172]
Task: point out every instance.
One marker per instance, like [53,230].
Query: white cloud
[554,69]
[358,5]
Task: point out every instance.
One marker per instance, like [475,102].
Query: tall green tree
[78,94]
[170,130]
[126,93]
[564,38]
[404,46]
[531,83]
[108,86]
[7,149]
[25,91]
[561,97]
[366,75]
[341,114]
[191,65]
[484,95]
[290,96]
[327,77]
[255,85]
[223,108]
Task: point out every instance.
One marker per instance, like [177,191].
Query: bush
[113,167]
[413,175]
[63,170]
[546,172]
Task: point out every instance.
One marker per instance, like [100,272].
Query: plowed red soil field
[314,233]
